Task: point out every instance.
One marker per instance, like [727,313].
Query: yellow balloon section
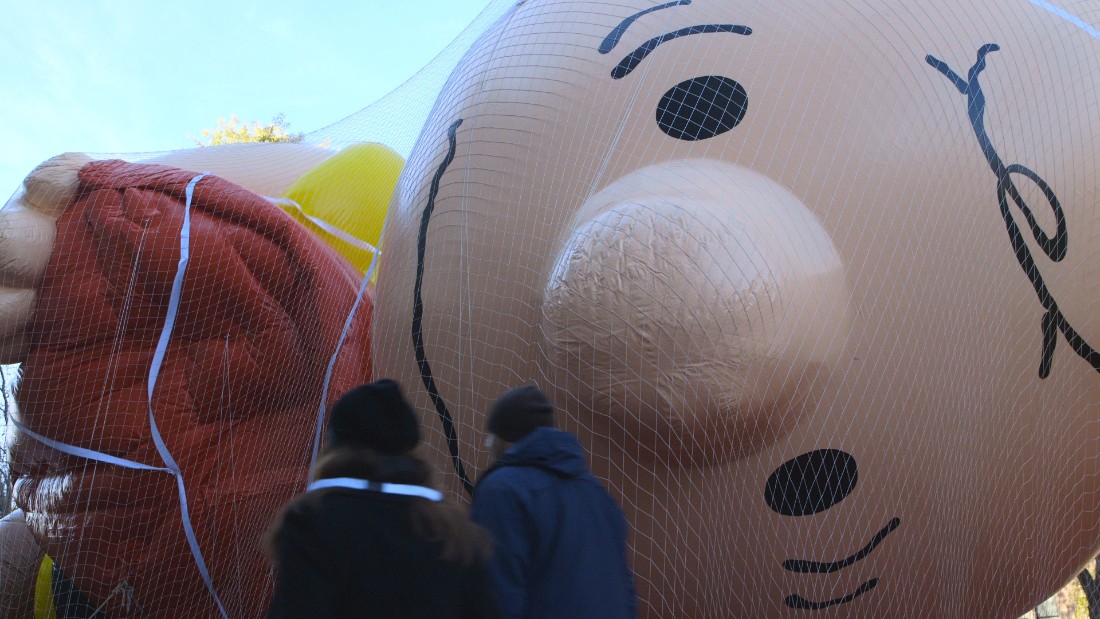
[346,196]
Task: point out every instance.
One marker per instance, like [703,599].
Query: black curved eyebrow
[798,602]
[626,65]
[801,566]
[612,39]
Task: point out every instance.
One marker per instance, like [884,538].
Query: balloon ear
[51,186]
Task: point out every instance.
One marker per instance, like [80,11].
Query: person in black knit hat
[560,540]
[374,416]
[370,537]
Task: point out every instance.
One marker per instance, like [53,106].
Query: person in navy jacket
[560,540]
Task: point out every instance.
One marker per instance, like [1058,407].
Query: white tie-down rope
[324,225]
[355,242]
[1066,15]
[332,361]
[87,454]
[154,372]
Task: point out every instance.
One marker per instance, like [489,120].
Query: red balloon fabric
[261,310]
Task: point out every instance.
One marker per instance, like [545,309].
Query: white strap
[154,373]
[321,406]
[324,225]
[353,483]
[1070,17]
[87,454]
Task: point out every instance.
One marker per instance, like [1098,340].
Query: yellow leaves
[235,132]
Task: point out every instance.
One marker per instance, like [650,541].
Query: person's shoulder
[312,506]
[330,502]
[502,478]
[510,482]
[303,503]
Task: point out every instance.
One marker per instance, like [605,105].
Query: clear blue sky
[121,76]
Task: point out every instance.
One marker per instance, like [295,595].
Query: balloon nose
[692,309]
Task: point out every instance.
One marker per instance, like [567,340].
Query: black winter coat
[346,553]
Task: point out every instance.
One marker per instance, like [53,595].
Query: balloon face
[813,284]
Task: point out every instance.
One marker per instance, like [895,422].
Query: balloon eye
[811,483]
[702,107]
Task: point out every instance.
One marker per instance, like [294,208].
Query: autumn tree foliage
[233,131]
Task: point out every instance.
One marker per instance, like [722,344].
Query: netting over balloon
[814,285]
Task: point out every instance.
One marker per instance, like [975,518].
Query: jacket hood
[547,448]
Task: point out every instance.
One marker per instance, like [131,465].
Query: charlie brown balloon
[814,283]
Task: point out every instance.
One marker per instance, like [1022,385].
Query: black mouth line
[802,566]
[418,316]
[798,602]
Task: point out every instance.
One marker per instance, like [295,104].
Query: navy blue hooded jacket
[559,538]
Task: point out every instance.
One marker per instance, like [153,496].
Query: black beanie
[519,412]
[374,416]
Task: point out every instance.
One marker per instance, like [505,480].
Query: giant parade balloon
[816,285]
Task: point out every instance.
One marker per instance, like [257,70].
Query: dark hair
[443,521]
